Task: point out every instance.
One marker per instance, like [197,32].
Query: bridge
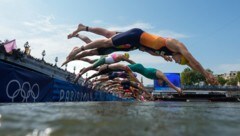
[211,88]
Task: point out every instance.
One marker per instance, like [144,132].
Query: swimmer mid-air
[139,39]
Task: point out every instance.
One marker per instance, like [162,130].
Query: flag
[10,46]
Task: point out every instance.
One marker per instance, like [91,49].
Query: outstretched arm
[160,75]
[194,64]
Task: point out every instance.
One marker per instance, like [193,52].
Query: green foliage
[238,76]
[222,81]
[209,70]
[191,77]
[185,76]
[232,81]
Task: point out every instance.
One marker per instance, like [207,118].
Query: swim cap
[183,61]
[126,55]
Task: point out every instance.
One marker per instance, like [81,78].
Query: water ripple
[119,118]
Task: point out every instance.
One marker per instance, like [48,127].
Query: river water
[120,119]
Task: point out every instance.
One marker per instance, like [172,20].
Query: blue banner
[163,86]
[19,84]
[22,85]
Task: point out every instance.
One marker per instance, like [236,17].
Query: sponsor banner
[19,84]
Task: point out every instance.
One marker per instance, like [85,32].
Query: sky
[210,29]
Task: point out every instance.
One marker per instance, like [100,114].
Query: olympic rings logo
[25,90]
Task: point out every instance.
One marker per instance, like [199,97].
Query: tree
[198,77]
[221,80]
[185,76]
[191,77]
[232,81]
[238,76]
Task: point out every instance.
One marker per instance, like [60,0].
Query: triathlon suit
[147,72]
[129,85]
[125,84]
[113,75]
[138,38]
[107,70]
[109,50]
[105,60]
[127,91]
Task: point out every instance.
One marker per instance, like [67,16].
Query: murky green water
[120,119]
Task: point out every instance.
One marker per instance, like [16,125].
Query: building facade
[230,75]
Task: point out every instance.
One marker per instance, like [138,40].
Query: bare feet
[70,36]
[77,77]
[81,27]
[85,81]
[70,56]
[82,70]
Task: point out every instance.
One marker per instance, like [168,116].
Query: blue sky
[209,28]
